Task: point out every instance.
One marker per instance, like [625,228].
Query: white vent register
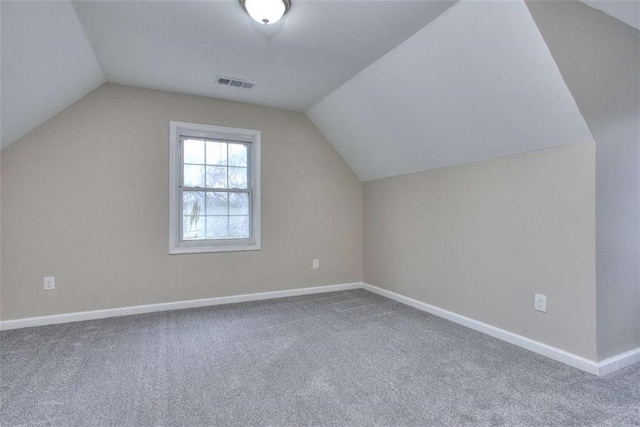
[234,82]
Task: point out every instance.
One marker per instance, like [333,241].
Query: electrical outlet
[316,264]
[49,283]
[540,303]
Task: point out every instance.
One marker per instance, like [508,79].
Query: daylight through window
[215,187]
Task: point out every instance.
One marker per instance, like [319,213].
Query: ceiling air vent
[230,81]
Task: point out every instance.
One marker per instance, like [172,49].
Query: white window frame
[180,130]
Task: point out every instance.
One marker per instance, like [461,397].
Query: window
[215,189]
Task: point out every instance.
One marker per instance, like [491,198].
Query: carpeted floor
[344,358]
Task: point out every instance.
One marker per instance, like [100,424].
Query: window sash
[249,192]
[181,188]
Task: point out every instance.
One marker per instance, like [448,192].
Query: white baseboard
[619,361]
[177,305]
[596,368]
[602,368]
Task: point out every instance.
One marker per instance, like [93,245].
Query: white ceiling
[47,64]
[55,52]
[182,46]
[627,11]
[478,82]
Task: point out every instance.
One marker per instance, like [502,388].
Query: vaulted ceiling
[55,52]
[47,64]
[627,11]
[395,85]
[181,46]
[477,83]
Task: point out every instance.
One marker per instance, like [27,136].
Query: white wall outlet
[49,283]
[316,264]
[540,303]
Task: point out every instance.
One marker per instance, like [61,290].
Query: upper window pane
[193,176]
[216,153]
[215,164]
[194,151]
[237,177]
[216,177]
[238,155]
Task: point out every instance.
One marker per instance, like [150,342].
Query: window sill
[183,250]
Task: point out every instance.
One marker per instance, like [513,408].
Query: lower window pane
[192,227]
[217,203]
[238,203]
[217,227]
[239,227]
[193,203]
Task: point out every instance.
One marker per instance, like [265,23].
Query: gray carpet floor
[344,358]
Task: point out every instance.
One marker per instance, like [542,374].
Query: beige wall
[89,191]
[0,231]
[89,205]
[599,59]
[480,239]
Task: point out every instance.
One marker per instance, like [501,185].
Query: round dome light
[266,11]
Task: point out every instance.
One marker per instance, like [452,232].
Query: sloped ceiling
[47,64]
[182,46]
[477,83]
[627,11]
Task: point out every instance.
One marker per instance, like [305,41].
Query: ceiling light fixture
[266,11]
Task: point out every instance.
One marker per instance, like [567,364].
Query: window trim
[178,130]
